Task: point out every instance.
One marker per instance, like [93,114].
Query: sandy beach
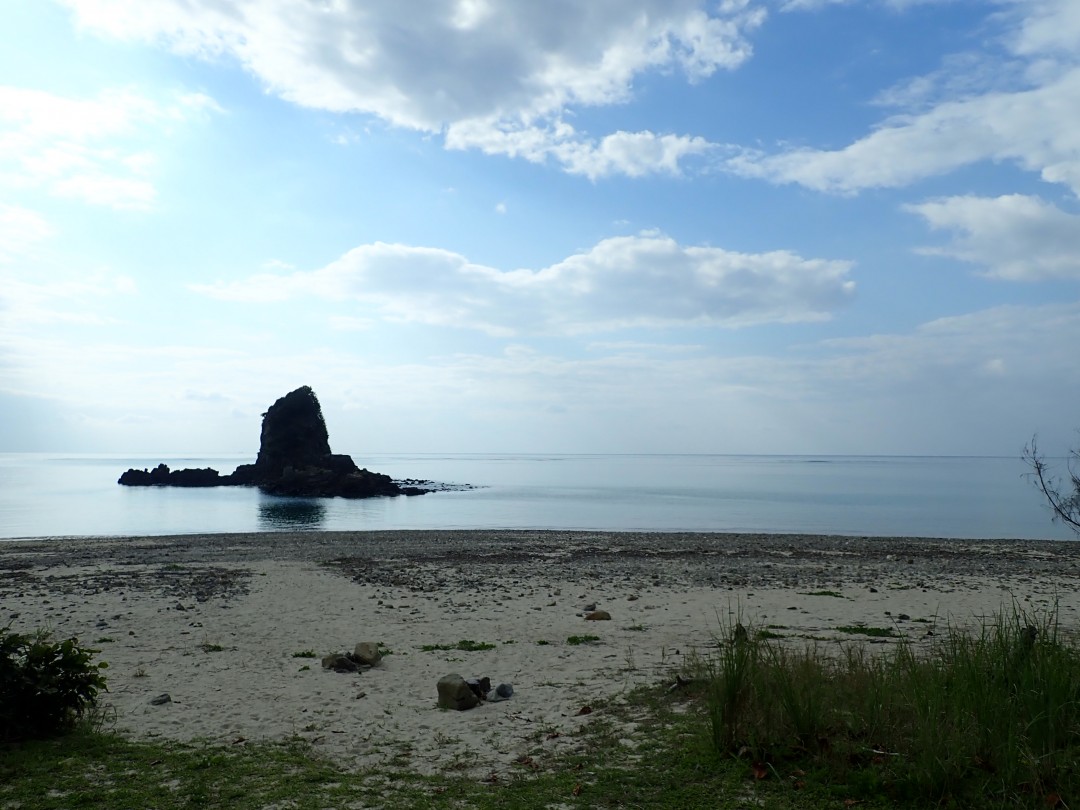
[225,624]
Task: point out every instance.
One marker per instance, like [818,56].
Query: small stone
[632,598]
[454,693]
[598,616]
[161,699]
[504,690]
[367,652]
[480,686]
[873,590]
[589,607]
[903,617]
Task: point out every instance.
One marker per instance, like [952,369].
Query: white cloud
[20,230]
[635,281]
[1039,129]
[498,75]
[1030,348]
[815,5]
[634,154]
[60,301]
[1015,237]
[99,150]
[1047,26]
[1036,126]
[976,383]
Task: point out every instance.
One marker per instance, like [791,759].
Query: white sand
[255,689]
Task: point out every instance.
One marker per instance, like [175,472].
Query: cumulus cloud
[635,281]
[1039,129]
[496,75]
[1015,237]
[98,150]
[633,154]
[1036,125]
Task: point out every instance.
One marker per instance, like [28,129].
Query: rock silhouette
[294,459]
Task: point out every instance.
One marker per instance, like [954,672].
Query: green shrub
[45,686]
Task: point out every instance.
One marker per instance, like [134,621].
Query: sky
[595,226]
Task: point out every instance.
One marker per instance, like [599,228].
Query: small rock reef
[294,460]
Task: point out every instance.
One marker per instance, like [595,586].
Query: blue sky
[785,226]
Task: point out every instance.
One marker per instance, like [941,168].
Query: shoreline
[217,621]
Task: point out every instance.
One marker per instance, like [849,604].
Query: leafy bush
[45,686]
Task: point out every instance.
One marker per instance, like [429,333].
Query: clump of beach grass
[979,718]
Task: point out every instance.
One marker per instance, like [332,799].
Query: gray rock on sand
[454,693]
[161,699]
[501,692]
[598,616]
[339,663]
[367,652]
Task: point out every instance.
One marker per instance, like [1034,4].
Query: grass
[989,719]
[305,654]
[210,648]
[465,645]
[835,594]
[585,639]
[93,769]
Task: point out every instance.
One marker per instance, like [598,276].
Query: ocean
[57,495]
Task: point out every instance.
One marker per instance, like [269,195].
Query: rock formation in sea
[294,459]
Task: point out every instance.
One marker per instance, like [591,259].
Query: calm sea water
[64,495]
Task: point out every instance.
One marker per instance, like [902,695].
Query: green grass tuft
[465,645]
[984,719]
[585,639]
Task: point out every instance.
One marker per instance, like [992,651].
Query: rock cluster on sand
[364,656]
[459,694]
[294,459]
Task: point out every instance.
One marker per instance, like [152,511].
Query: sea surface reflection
[276,514]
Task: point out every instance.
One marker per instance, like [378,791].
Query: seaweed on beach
[200,583]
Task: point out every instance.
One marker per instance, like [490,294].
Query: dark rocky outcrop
[162,476]
[294,460]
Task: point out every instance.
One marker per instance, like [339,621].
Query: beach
[233,627]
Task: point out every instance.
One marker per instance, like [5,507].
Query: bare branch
[1065,507]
